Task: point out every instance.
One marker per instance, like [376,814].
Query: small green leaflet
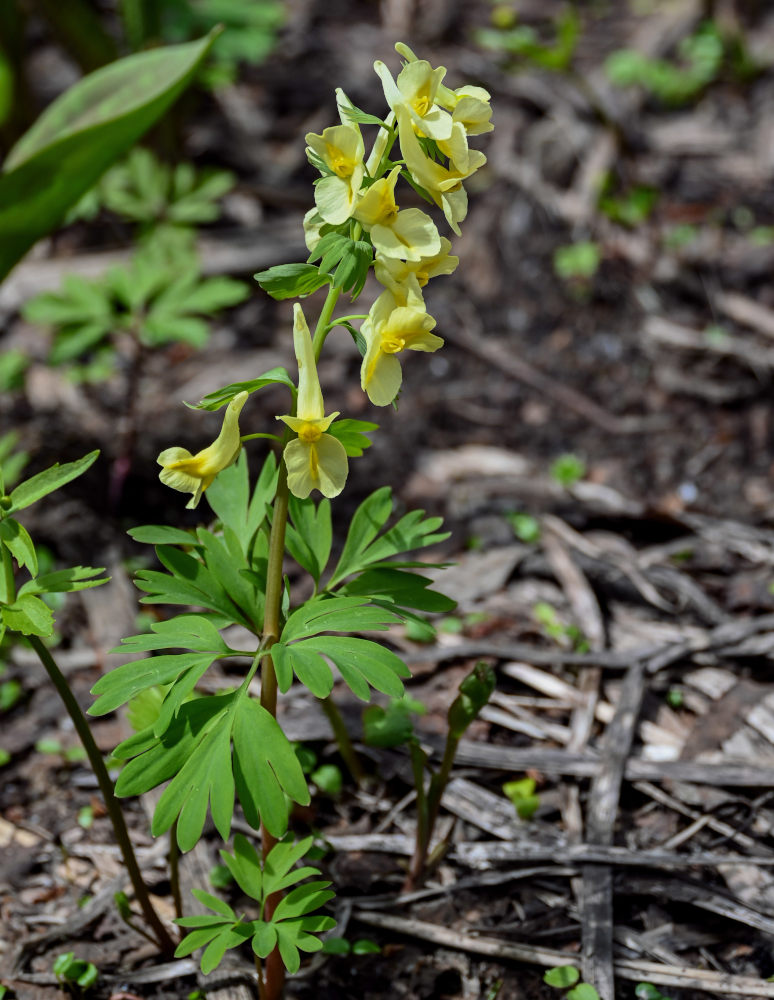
[214,400]
[229,497]
[336,614]
[352,259]
[28,615]
[130,679]
[291,281]
[402,588]
[364,545]
[362,664]
[292,927]
[65,580]
[309,534]
[46,482]
[18,542]
[352,434]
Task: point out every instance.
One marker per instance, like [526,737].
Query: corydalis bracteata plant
[213,749]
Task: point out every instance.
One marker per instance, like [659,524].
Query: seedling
[647,991]
[525,527]
[76,975]
[525,801]
[567,470]
[562,976]
[578,262]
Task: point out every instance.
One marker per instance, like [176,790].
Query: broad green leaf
[291,281]
[199,937]
[181,632]
[206,778]
[129,679]
[368,520]
[302,900]
[51,479]
[310,534]
[561,976]
[225,569]
[282,857]
[361,663]
[308,666]
[265,768]
[229,937]
[80,134]
[28,615]
[162,534]
[336,614]
[229,497]
[16,539]
[276,376]
[65,580]
[214,903]
[264,939]
[245,865]
[405,589]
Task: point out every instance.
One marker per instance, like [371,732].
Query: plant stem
[428,807]
[165,942]
[174,871]
[344,743]
[271,987]
[323,323]
[271,979]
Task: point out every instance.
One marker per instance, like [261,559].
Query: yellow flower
[314,460]
[195,473]
[443,184]
[391,327]
[468,105]
[405,235]
[414,92]
[341,150]
[398,274]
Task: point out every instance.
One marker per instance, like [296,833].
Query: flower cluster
[357,223]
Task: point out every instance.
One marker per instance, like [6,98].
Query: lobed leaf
[46,482]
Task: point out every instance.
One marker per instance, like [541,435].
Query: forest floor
[631,625]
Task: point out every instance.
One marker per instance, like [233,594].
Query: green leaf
[18,542]
[28,615]
[361,663]
[302,900]
[309,535]
[80,134]
[561,976]
[129,679]
[403,588]
[387,727]
[229,937]
[46,482]
[364,545]
[181,632]
[264,939]
[583,991]
[162,534]
[335,614]
[265,768]
[214,400]
[352,434]
[291,281]
[65,581]
[245,865]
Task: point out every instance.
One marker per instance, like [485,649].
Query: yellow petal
[380,377]
[310,401]
[321,465]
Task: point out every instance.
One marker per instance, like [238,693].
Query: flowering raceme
[314,460]
[194,473]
